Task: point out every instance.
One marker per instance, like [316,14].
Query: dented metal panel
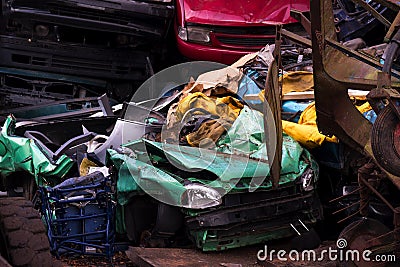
[22,154]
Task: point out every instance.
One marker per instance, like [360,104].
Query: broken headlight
[307,179]
[194,34]
[199,196]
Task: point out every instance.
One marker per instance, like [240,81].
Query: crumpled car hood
[241,12]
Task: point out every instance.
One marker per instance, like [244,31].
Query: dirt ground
[119,260]
[149,257]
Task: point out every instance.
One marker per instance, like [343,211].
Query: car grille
[254,37]
[243,41]
[265,30]
[74,60]
[71,63]
[96,16]
[77,63]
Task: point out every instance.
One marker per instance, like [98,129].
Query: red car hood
[241,12]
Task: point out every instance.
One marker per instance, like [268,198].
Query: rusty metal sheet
[332,81]
[336,114]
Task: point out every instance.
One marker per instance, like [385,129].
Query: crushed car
[55,50]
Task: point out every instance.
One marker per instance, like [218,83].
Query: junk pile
[196,171]
[210,164]
[79,212]
[192,170]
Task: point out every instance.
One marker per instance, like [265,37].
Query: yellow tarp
[296,81]
[306,130]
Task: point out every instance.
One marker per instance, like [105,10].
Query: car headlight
[194,34]
[199,196]
[307,180]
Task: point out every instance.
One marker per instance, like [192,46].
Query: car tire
[22,234]
[356,235]
[384,140]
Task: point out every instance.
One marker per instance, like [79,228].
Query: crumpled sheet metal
[250,12]
[240,153]
[134,174]
[22,154]
[208,93]
[223,163]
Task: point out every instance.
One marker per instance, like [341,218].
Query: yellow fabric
[208,133]
[364,107]
[307,135]
[85,165]
[309,115]
[297,81]
[226,108]
[306,130]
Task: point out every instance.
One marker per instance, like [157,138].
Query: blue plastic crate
[80,216]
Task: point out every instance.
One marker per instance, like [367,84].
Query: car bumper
[200,52]
[124,17]
[77,60]
[253,223]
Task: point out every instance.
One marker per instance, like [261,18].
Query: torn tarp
[246,137]
[22,154]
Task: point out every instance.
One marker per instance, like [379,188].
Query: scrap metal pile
[195,171]
[61,50]
[207,164]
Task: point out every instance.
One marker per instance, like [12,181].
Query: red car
[223,31]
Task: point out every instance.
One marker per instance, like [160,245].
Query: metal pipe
[377,193]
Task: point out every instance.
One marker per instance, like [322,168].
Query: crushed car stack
[205,155]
